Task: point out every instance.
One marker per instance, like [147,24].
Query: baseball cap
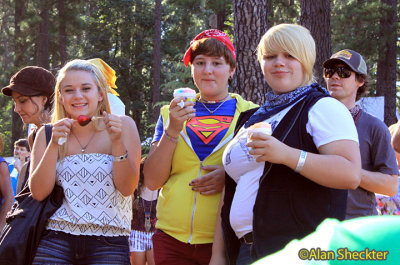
[352,59]
[31,81]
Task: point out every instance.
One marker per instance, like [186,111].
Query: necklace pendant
[83,148]
[147,223]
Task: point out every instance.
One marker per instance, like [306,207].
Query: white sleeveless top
[92,205]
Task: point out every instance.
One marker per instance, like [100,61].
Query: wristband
[301,162]
[121,157]
[169,137]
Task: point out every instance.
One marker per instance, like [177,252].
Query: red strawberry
[83,120]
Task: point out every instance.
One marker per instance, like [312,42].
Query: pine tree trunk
[250,24]
[19,47]
[62,32]
[270,14]
[5,39]
[221,17]
[20,11]
[386,69]
[137,60]
[42,42]
[157,59]
[315,15]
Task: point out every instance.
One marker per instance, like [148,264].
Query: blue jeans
[245,256]
[61,248]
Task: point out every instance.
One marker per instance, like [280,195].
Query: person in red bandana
[185,157]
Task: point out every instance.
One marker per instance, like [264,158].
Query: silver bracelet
[301,162]
[121,158]
[169,137]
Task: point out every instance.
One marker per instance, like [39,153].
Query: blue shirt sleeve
[159,130]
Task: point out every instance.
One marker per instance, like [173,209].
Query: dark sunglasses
[341,71]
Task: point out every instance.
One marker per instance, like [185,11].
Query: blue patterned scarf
[275,103]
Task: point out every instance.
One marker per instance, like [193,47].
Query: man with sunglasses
[347,80]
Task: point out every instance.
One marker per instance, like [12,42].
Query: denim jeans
[61,248]
[245,256]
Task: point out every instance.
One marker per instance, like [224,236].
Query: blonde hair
[100,81]
[293,39]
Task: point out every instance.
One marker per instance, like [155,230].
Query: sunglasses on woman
[341,71]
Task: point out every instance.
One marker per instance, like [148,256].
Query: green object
[364,240]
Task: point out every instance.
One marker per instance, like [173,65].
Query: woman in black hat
[32,91]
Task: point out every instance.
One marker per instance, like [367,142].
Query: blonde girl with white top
[97,166]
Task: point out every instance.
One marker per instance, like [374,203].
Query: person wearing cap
[347,80]
[185,156]
[280,187]
[32,91]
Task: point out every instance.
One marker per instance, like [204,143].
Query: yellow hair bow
[108,73]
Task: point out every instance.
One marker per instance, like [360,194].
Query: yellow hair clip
[108,73]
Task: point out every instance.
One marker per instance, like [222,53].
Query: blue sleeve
[159,130]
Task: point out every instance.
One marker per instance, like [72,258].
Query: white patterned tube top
[92,205]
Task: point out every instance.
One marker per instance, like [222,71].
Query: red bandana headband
[210,33]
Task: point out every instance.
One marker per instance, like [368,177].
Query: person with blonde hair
[6,192]
[282,186]
[97,165]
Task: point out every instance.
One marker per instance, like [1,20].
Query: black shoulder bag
[26,222]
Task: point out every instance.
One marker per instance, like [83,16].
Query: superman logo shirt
[205,130]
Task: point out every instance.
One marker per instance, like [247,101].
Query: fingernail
[190,184]
[192,188]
